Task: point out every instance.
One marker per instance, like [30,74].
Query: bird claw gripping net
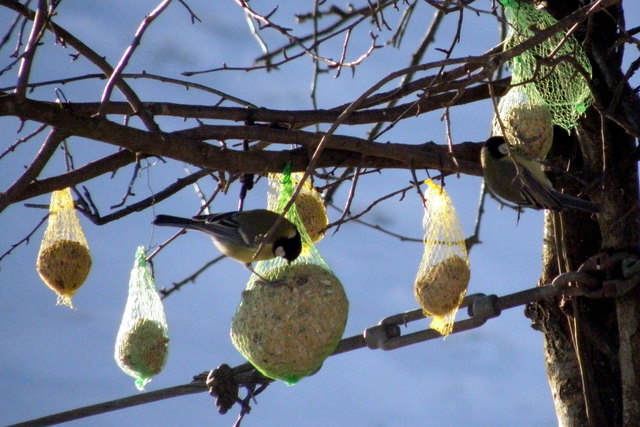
[64,260]
[444,273]
[287,328]
[142,344]
[554,73]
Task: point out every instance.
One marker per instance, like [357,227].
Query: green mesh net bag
[64,259]
[288,328]
[142,341]
[561,87]
[444,273]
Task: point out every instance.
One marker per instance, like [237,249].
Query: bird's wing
[224,226]
[536,193]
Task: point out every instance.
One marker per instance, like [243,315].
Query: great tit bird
[239,235]
[523,182]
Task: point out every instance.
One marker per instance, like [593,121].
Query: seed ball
[528,129]
[64,266]
[287,330]
[441,288]
[142,350]
[313,214]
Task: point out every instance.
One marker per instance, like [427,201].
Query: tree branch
[125,402]
[92,56]
[33,170]
[302,118]
[341,151]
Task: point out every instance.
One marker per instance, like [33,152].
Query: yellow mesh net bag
[142,343]
[287,329]
[64,259]
[560,81]
[444,272]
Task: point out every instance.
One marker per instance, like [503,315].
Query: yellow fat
[313,214]
[441,288]
[64,266]
[528,129]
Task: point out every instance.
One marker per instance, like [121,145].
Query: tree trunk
[592,345]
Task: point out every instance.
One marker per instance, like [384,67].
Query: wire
[224,382]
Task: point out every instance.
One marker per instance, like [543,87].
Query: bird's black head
[497,147]
[288,247]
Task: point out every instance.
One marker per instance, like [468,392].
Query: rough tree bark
[592,345]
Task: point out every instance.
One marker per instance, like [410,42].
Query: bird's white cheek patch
[503,149]
[279,251]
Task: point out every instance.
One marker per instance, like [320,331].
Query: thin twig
[24,239]
[129,191]
[7,36]
[47,149]
[115,75]
[377,227]
[164,79]
[149,201]
[346,211]
[194,17]
[92,56]
[11,148]
[176,286]
[401,191]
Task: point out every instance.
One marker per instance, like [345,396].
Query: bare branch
[187,149]
[22,140]
[33,170]
[125,402]
[115,74]
[39,21]
[84,173]
[175,286]
[25,239]
[303,118]
[92,56]
[149,201]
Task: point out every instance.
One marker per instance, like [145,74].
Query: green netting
[287,328]
[558,84]
[282,187]
[142,341]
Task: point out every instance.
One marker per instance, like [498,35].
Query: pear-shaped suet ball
[64,259]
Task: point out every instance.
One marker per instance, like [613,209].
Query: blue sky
[55,359]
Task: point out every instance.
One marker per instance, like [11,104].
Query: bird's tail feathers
[577,203]
[175,221]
